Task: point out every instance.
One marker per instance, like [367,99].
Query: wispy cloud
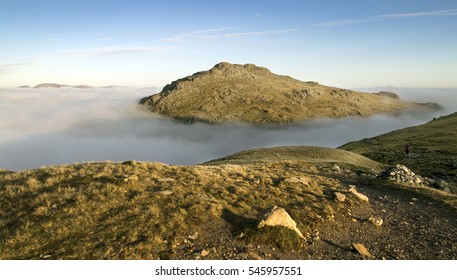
[218,33]
[342,22]
[19,63]
[258,33]
[115,50]
[199,34]
[440,13]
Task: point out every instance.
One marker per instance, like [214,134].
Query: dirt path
[414,227]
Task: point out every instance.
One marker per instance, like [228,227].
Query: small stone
[376,221]
[315,236]
[194,236]
[340,197]
[362,250]
[133,178]
[166,192]
[360,196]
[414,199]
[336,168]
[45,256]
[255,256]
[431,181]
[204,253]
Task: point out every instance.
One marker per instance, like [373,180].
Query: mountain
[432,148]
[50,85]
[53,85]
[248,93]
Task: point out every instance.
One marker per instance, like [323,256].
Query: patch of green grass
[278,237]
[299,153]
[433,148]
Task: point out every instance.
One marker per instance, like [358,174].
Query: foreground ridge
[144,210]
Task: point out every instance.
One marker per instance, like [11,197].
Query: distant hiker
[407,149]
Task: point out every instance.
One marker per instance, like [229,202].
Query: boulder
[279,217]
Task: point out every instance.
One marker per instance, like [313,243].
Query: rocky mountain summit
[248,93]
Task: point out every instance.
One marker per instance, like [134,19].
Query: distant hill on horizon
[252,94]
[56,85]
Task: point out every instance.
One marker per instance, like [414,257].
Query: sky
[351,44]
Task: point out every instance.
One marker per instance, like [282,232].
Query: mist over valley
[50,126]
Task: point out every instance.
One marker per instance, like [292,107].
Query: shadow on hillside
[337,246]
[238,223]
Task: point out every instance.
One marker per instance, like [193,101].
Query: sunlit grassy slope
[433,148]
[248,93]
[138,210]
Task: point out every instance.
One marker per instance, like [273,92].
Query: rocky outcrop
[387,94]
[248,93]
[403,175]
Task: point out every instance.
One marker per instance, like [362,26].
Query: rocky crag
[248,93]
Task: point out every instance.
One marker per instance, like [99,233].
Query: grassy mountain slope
[140,210]
[299,153]
[248,93]
[433,148]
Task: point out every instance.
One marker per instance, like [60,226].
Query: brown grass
[247,93]
[94,211]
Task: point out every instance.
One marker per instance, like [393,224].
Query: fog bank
[59,126]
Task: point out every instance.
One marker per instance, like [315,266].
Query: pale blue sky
[351,44]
